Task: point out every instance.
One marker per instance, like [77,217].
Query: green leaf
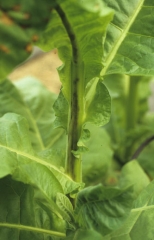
[11,101]
[83,234]
[19,160]
[55,156]
[82,148]
[21,218]
[21,24]
[103,209]
[139,224]
[133,174]
[65,205]
[97,160]
[61,109]
[39,101]
[52,158]
[97,104]
[129,41]
[87,235]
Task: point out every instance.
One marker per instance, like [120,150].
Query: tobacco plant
[64,175]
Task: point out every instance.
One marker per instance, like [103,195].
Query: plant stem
[132,102]
[73,165]
[141,147]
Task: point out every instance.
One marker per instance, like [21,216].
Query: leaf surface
[21,218]
[129,42]
[65,205]
[39,101]
[133,174]
[97,160]
[19,160]
[11,101]
[139,224]
[103,208]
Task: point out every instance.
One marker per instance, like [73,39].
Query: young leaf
[129,41]
[65,205]
[98,104]
[21,218]
[103,209]
[139,224]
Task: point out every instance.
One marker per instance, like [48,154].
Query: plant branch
[141,147]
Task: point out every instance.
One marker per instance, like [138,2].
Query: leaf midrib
[34,124]
[34,229]
[35,159]
[121,38]
[144,208]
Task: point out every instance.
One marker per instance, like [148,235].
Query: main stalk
[132,102]
[73,166]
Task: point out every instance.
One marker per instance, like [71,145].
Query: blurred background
[41,65]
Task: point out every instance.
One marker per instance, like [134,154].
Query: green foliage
[44,158]
[19,211]
[97,161]
[129,43]
[139,224]
[103,209]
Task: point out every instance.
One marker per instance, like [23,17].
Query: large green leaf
[103,208]
[21,24]
[129,41]
[19,160]
[87,235]
[139,224]
[39,101]
[11,101]
[97,161]
[133,174]
[21,218]
[33,101]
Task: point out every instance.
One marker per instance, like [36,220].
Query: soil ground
[43,66]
